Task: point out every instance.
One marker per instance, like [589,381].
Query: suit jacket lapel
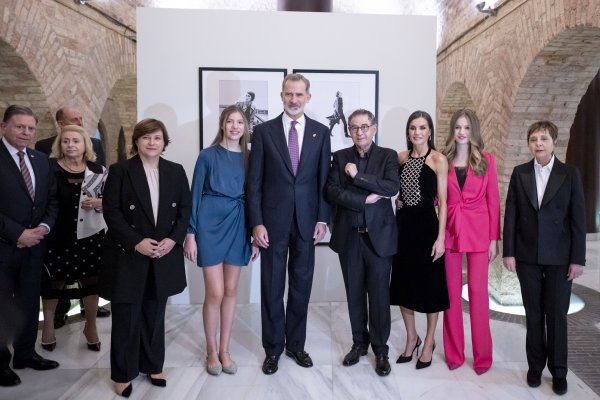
[528,179]
[556,179]
[278,135]
[308,142]
[373,159]
[165,187]
[12,166]
[140,186]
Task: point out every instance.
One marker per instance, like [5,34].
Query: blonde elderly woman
[74,244]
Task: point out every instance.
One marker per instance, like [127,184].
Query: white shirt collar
[11,149]
[548,166]
[287,120]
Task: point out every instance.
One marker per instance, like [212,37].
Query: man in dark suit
[28,209]
[361,182]
[71,116]
[544,243]
[289,163]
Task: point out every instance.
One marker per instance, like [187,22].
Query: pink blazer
[473,213]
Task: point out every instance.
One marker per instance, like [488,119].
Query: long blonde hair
[476,160]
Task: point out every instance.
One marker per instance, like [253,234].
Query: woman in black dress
[418,280]
[74,244]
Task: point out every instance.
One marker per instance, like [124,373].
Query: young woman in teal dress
[217,237]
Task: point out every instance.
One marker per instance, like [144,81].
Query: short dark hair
[362,111]
[16,109]
[544,125]
[427,117]
[252,95]
[146,126]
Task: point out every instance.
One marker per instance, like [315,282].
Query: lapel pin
[314,135]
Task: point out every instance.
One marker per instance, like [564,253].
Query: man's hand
[320,231]
[260,236]
[31,237]
[351,170]
[373,198]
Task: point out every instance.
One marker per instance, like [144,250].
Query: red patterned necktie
[293,147]
[25,173]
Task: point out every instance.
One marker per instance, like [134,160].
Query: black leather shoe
[382,365]
[270,365]
[8,377]
[354,354]
[559,386]
[301,357]
[36,362]
[160,382]
[534,378]
[425,364]
[101,313]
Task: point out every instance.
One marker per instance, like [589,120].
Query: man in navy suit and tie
[28,209]
[289,164]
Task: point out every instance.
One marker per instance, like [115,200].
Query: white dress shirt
[542,174]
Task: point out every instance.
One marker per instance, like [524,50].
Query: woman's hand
[190,250]
[438,249]
[492,250]
[510,264]
[165,246]
[255,252]
[91,203]
[147,247]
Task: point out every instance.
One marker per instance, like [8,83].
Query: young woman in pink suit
[472,228]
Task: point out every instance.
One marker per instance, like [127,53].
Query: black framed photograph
[335,94]
[254,90]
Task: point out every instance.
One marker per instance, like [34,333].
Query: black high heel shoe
[405,359]
[50,346]
[92,346]
[127,391]
[425,364]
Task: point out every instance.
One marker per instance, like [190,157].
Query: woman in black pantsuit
[147,204]
[544,243]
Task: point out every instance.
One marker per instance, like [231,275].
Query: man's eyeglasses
[364,128]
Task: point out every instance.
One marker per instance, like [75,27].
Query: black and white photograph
[335,94]
[255,90]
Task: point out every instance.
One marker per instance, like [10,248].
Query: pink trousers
[479,311]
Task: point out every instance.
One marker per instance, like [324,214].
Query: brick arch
[119,111]
[457,96]
[18,85]
[552,87]
[75,59]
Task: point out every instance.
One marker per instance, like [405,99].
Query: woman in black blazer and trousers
[544,242]
[147,205]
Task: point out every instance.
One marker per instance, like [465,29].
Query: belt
[360,229]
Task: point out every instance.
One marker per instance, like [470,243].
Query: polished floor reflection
[85,375]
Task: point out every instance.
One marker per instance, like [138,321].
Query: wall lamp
[481,7]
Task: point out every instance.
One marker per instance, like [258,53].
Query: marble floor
[85,375]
